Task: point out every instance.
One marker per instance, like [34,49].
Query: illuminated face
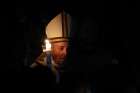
[59,52]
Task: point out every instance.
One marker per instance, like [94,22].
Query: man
[57,32]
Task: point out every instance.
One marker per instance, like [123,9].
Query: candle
[48,58]
[48,53]
[48,45]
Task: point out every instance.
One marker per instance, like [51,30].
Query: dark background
[101,32]
[100,28]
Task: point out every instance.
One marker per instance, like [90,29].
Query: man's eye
[61,48]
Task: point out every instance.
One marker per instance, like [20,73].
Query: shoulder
[40,61]
[40,58]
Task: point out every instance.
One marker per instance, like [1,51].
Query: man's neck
[54,64]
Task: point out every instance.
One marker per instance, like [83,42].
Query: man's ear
[52,45]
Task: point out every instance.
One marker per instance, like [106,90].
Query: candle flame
[48,45]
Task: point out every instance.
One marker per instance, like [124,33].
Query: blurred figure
[57,33]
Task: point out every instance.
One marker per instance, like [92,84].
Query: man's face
[59,51]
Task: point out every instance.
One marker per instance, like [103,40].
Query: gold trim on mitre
[58,39]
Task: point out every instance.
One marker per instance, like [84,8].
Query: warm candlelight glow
[48,45]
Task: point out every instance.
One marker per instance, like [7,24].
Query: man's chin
[60,61]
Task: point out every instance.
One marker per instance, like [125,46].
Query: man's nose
[64,51]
